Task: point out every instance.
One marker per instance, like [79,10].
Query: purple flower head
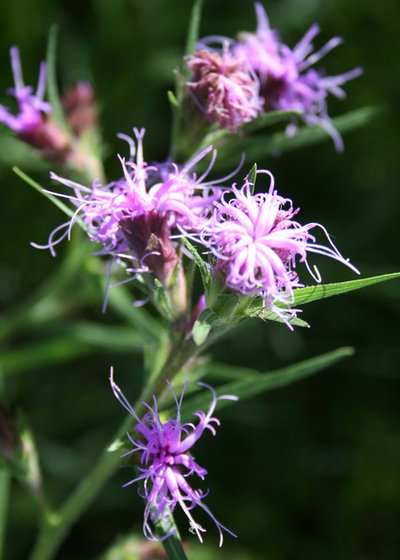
[287,81]
[173,195]
[30,106]
[139,217]
[166,463]
[224,86]
[256,243]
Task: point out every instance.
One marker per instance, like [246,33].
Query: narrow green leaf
[263,145]
[270,118]
[56,201]
[111,337]
[173,544]
[252,177]
[313,293]
[120,300]
[52,88]
[70,341]
[252,385]
[57,350]
[14,151]
[223,137]
[204,270]
[203,325]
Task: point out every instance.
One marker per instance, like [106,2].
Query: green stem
[4,492]
[173,544]
[55,525]
[193,33]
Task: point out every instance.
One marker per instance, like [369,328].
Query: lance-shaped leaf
[320,291]
[252,385]
[259,146]
[56,201]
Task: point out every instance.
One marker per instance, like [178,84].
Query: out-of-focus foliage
[313,470]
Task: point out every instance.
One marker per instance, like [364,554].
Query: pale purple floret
[30,106]
[287,81]
[166,462]
[256,243]
[224,86]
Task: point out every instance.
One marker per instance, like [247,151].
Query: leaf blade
[258,383]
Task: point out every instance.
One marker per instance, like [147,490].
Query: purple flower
[139,218]
[287,81]
[165,461]
[256,243]
[30,106]
[224,86]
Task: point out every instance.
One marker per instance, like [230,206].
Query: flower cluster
[283,78]
[253,238]
[166,462]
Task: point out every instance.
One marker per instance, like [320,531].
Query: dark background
[311,471]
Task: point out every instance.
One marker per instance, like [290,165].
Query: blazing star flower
[31,106]
[145,197]
[224,86]
[256,242]
[139,218]
[166,462]
[287,81]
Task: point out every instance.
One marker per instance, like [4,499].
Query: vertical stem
[173,544]
[4,493]
[192,36]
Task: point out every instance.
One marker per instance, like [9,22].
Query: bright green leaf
[203,325]
[252,177]
[172,99]
[321,291]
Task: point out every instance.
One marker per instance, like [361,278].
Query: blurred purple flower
[224,86]
[166,462]
[30,106]
[287,81]
[256,243]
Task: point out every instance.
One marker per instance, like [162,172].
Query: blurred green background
[311,471]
